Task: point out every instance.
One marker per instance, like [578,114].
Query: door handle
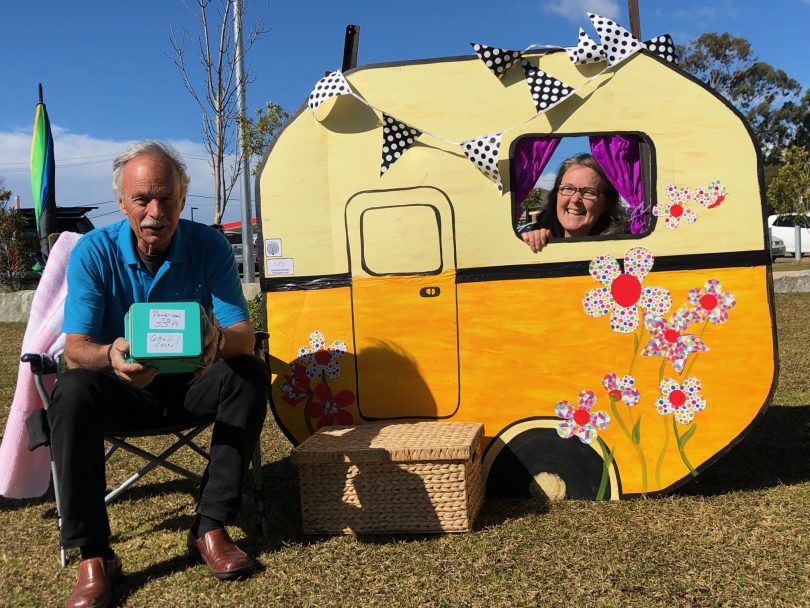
[430,292]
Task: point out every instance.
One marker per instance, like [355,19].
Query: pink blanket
[25,474]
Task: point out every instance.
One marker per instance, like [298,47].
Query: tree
[766,96]
[789,190]
[260,130]
[217,95]
[16,246]
[803,132]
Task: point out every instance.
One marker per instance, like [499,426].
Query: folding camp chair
[185,434]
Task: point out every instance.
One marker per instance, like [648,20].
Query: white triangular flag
[483,152]
[617,42]
[331,85]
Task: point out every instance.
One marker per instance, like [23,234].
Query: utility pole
[248,258]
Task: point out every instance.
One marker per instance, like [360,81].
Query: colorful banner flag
[43,175]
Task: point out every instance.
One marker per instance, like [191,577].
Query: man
[152,256]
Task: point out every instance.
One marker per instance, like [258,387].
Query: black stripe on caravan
[734,259]
[329,281]
[696,261]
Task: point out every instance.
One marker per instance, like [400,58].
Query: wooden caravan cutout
[406,294]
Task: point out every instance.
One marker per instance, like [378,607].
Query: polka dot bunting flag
[586,51]
[331,85]
[483,153]
[397,137]
[497,60]
[617,42]
[546,90]
[663,47]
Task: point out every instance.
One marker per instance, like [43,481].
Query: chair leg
[258,489]
[62,551]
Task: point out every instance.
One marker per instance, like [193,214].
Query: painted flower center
[329,407]
[671,336]
[323,357]
[676,210]
[677,398]
[708,301]
[626,290]
[582,417]
[615,395]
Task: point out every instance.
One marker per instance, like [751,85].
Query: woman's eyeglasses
[589,194]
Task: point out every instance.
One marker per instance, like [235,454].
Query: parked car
[235,239]
[783,226]
[777,247]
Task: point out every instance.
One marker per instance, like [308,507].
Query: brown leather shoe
[94,583]
[224,559]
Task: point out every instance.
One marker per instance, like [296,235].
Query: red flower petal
[326,421]
[323,392]
[344,398]
[315,409]
[343,417]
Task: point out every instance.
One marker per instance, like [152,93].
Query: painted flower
[623,292]
[319,358]
[668,338]
[296,386]
[621,389]
[712,195]
[675,209]
[581,421]
[711,302]
[328,408]
[683,400]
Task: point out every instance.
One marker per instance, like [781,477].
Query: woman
[582,203]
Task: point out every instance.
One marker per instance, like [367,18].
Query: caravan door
[401,246]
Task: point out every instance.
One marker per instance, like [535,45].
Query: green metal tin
[165,335]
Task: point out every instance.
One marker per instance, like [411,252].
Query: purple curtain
[531,157]
[620,157]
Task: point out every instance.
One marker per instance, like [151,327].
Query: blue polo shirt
[105,276]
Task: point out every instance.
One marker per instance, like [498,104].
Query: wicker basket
[390,478]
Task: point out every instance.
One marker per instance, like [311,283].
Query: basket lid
[391,442]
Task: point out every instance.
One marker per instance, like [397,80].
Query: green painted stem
[635,444]
[607,460]
[660,462]
[681,449]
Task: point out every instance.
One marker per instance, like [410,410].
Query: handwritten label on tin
[164,343]
[160,318]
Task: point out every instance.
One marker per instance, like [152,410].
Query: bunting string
[616,46]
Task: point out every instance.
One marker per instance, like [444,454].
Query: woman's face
[577,213]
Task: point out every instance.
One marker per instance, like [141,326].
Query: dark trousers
[86,404]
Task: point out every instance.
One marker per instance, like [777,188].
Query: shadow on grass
[775,452]
[132,581]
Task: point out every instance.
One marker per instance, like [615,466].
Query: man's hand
[212,341]
[137,374]
[536,239]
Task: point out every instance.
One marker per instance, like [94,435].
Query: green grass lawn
[739,535]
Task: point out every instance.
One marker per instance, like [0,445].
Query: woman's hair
[612,221]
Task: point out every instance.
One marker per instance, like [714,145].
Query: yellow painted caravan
[399,289]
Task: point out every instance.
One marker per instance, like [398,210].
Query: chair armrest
[40,363]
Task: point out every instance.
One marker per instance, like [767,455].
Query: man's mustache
[154,223]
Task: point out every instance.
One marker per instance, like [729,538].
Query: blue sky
[109,80]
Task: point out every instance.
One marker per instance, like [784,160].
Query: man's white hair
[155,149]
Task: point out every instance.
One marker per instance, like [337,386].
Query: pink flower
[675,209]
[328,408]
[296,386]
[712,195]
[319,358]
[621,389]
[684,400]
[581,421]
[711,303]
[667,339]
[623,292]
